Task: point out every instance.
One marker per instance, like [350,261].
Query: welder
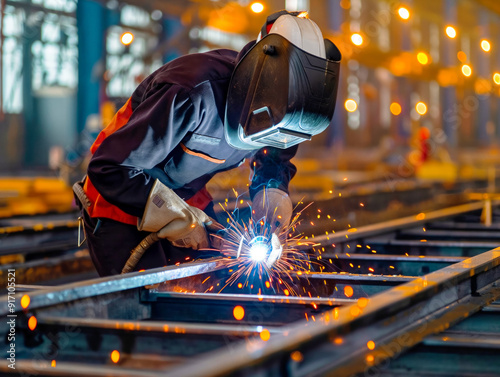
[198,115]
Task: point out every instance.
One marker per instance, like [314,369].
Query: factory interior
[388,264]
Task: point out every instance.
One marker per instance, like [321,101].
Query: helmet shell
[280,94]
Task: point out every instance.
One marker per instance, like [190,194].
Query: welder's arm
[127,162]
[172,218]
[269,188]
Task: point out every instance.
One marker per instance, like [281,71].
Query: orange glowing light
[370,358]
[286,292]
[466,70]
[297,356]
[420,216]
[53,363]
[357,39]
[395,108]
[462,56]
[115,356]
[485,45]
[355,311]
[257,7]
[238,312]
[496,78]
[421,108]
[268,284]
[451,32]
[370,345]
[350,105]
[240,285]
[25,301]
[362,302]
[348,291]
[422,58]
[32,322]
[265,335]
[404,13]
[338,341]
[127,38]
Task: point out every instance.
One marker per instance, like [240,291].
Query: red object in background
[423,136]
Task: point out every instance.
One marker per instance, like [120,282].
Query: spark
[247,247]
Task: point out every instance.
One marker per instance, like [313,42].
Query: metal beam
[438,299]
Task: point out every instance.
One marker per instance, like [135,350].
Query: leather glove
[172,218]
[274,207]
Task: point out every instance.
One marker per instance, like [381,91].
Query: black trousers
[110,243]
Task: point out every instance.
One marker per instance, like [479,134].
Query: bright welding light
[258,251]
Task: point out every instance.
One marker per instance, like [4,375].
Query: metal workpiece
[70,293]
[360,309]
[398,224]
[431,303]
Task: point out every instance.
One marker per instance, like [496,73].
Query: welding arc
[136,254]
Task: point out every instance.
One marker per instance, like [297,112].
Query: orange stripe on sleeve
[119,120]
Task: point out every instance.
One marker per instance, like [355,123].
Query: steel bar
[113,284]
[157,326]
[358,278]
[274,299]
[467,340]
[392,225]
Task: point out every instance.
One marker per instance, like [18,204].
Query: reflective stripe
[100,207]
[201,155]
[119,120]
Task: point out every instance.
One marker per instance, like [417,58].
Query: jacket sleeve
[124,167]
[272,169]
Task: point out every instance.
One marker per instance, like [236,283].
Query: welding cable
[136,254]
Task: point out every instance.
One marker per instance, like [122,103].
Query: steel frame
[340,336]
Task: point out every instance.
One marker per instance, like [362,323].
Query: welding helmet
[283,90]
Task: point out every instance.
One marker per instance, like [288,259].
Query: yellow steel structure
[31,196]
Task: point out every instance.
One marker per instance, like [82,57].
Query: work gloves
[172,218]
[272,207]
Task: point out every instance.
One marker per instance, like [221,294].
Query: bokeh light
[357,39]
[485,45]
[25,301]
[115,356]
[422,58]
[496,78]
[466,70]
[404,13]
[32,322]
[127,38]
[238,312]
[265,335]
[421,108]
[395,108]
[451,32]
[351,105]
[257,7]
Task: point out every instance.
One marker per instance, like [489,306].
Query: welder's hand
[274,207]
[172,218]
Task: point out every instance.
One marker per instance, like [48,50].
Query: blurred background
[419,96]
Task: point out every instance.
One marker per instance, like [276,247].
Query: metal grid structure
[152,323]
